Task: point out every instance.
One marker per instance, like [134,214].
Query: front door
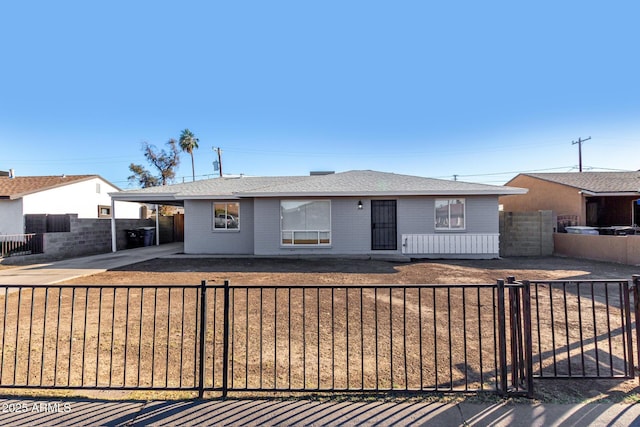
[383,225]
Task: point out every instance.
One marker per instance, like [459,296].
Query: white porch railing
[450,244]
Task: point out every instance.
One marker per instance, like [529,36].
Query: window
[450,214]
[305,222]
[226,216]
[104,211]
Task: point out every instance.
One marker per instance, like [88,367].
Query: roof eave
[138,197]
[505,192]
[610,194]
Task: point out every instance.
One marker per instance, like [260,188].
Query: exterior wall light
[359,204]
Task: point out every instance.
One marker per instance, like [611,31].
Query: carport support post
[113,226]
[157,226]
[636,309]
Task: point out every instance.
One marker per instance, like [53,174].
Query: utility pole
[579,142]
[219,162]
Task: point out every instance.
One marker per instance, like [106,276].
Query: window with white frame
[226,216]
[305,222]
[450,214]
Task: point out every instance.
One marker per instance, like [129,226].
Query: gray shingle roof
[367,182]
[596,182]
[352,183]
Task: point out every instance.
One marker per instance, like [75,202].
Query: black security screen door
[383,225]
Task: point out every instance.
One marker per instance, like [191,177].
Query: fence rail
[221,338]
[20,244]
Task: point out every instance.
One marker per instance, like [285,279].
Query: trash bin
[134,238]
[147,234]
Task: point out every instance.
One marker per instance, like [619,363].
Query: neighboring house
[598,199]
[349,213]
[84,195]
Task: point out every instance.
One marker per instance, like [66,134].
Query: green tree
[188,142]
[165,162]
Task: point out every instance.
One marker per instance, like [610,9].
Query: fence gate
[583,329]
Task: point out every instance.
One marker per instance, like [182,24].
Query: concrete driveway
[58,271]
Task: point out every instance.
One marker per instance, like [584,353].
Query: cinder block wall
[87,237]
[90,236]
[526,233]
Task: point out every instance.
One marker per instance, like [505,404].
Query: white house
[84,195]
[348,213]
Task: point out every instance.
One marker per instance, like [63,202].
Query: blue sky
[481,90]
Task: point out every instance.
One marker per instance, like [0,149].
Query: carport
[149,197]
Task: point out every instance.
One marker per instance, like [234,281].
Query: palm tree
[188,142]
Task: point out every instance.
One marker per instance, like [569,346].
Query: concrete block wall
[90,236]
[526,233]
[87,237]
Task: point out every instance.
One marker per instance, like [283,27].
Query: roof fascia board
[140,197]
[611,194]
[388,193]
[210,197]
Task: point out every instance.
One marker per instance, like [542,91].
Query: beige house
[598,199]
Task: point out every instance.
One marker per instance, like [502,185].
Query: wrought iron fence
[354,338]
[20,244]
[582,329]
[140,337]
[222,338]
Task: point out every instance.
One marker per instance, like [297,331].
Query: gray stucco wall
[351,227]
[201,238]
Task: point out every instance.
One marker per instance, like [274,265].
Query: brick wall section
[526,233]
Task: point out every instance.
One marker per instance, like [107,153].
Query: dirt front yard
[259,271]
[272,271]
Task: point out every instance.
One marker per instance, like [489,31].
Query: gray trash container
[147,235]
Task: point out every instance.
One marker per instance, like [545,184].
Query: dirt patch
[264,271]
[258,271]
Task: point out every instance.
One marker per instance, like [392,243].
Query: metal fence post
[225,343]
[514,326]
[203,324]
[627,320]
[502,332]
[528,350]
[636,309]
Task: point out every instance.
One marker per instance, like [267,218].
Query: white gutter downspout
[113,226]
[157,226]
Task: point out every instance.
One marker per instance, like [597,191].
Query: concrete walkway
[83,412]
[79,412]
[58,271]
